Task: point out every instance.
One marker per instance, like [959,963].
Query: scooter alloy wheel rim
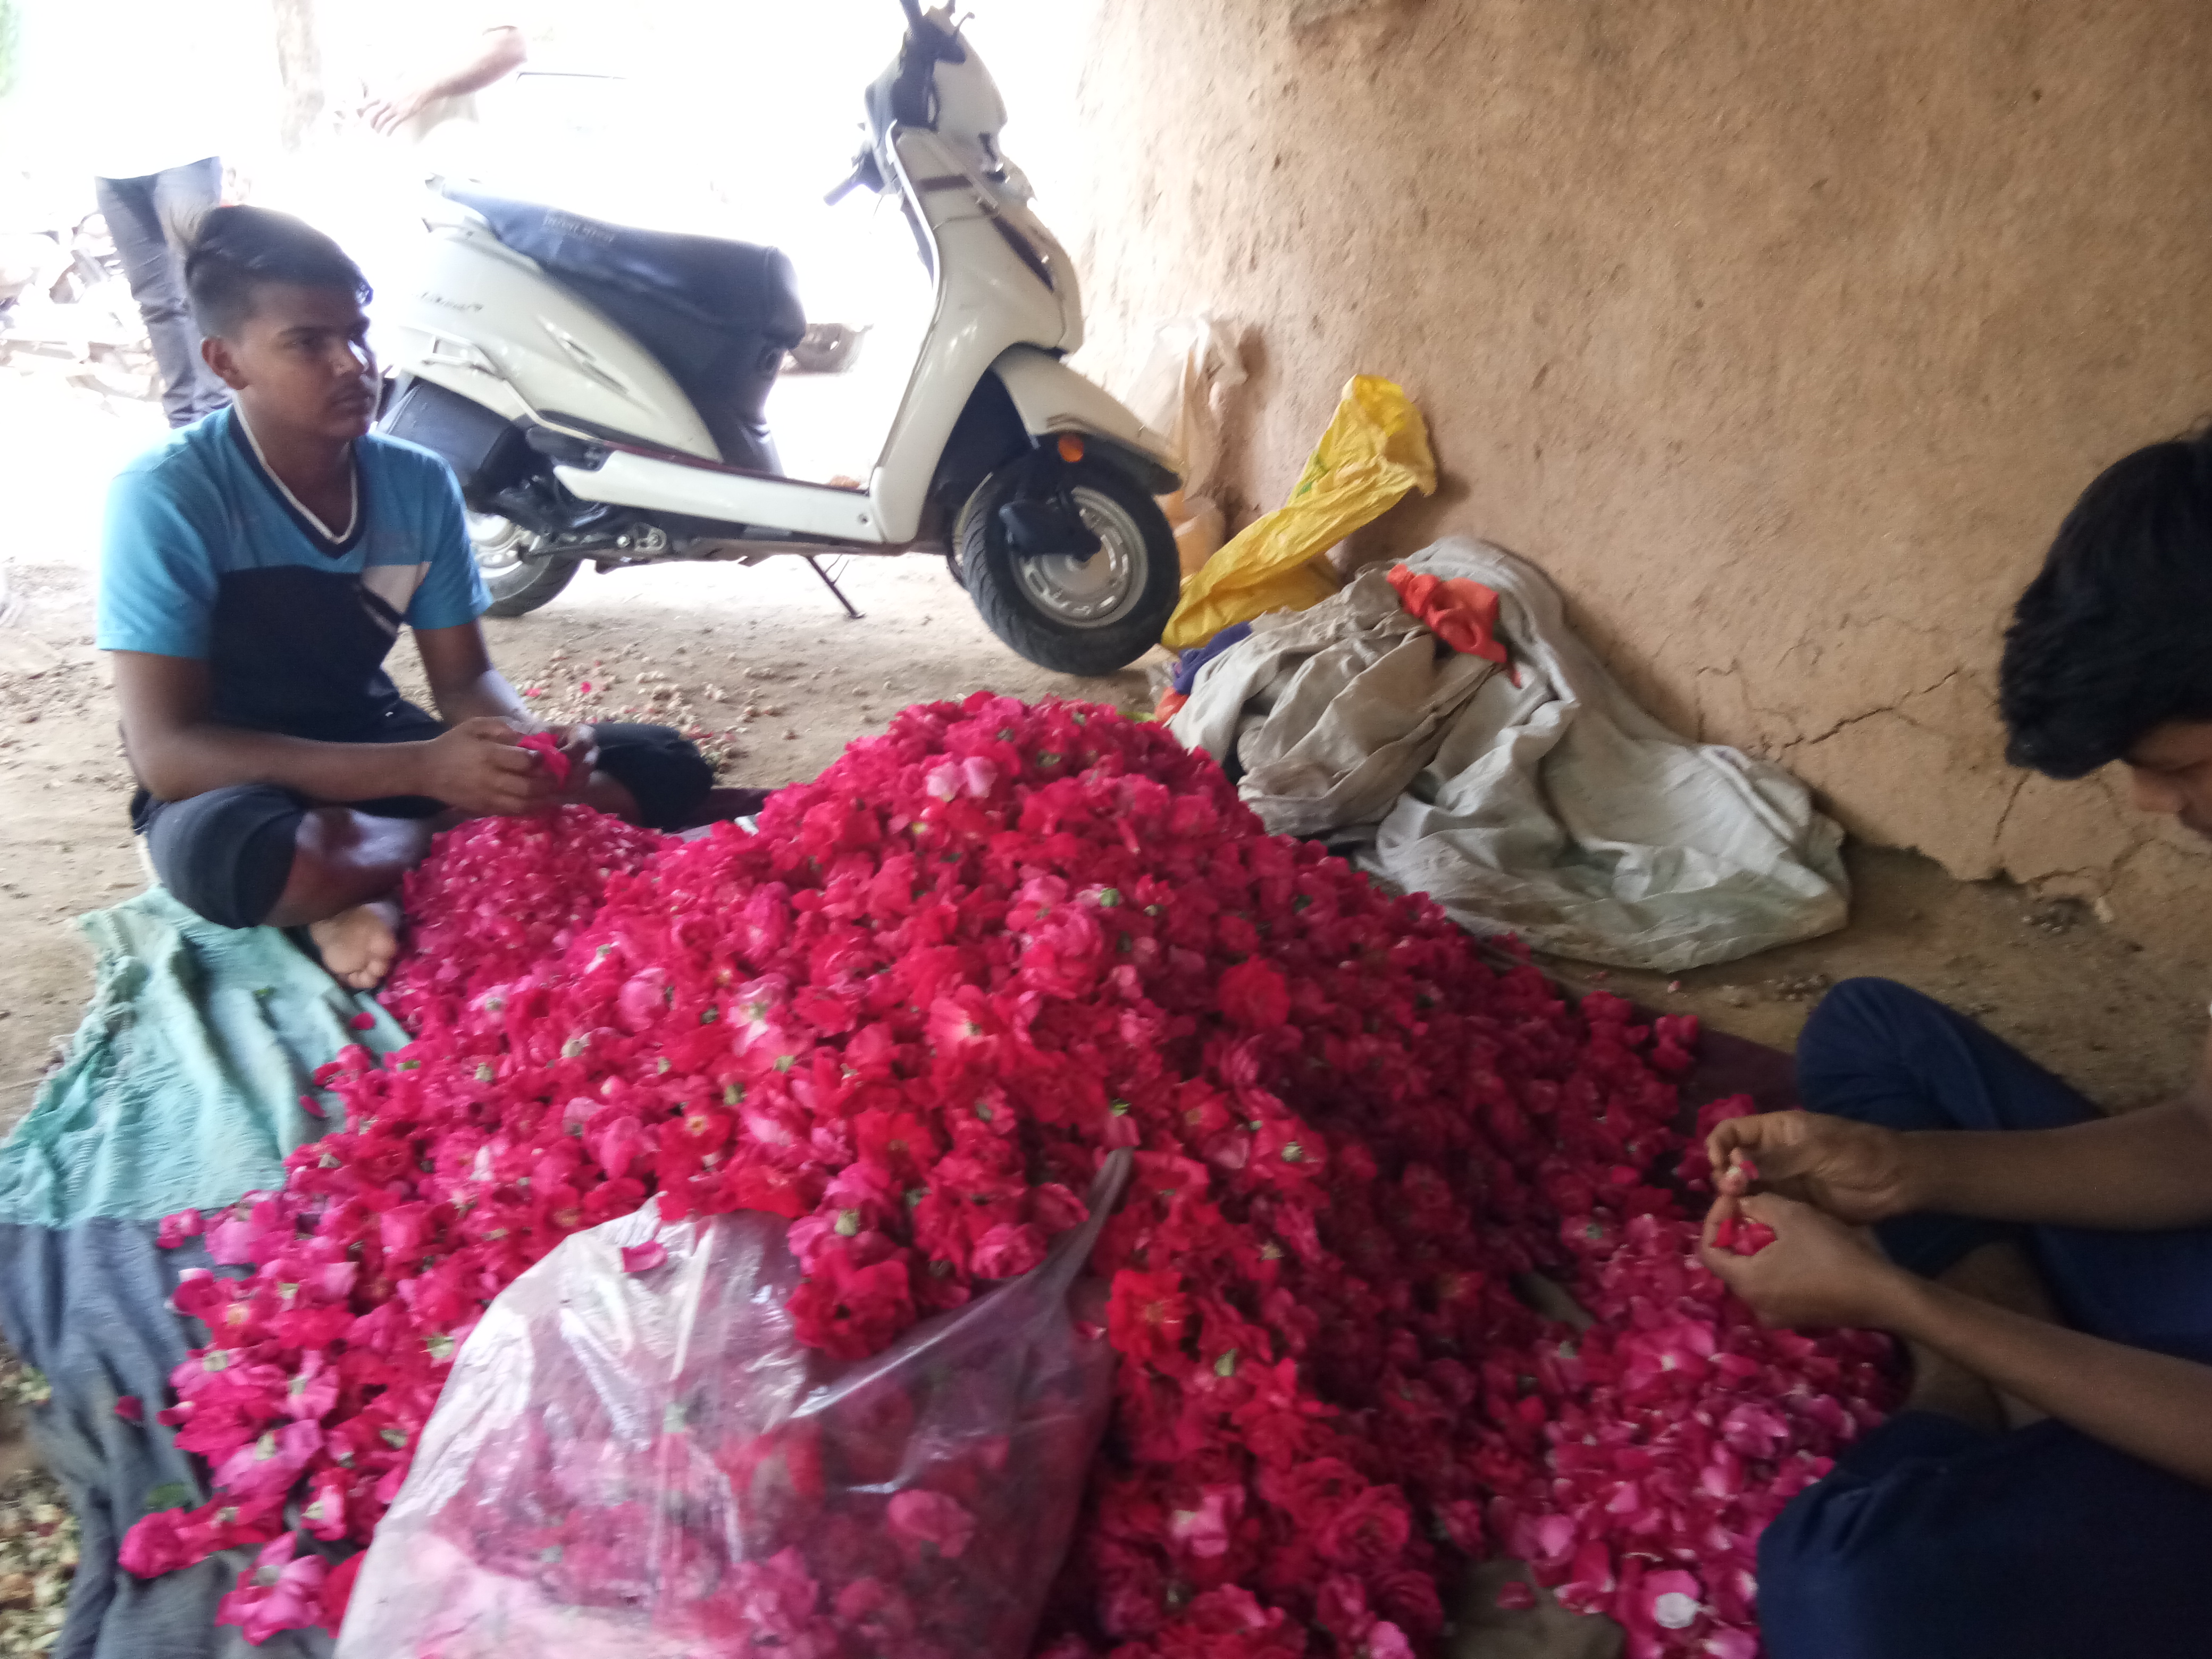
[499,543]
[1097,591]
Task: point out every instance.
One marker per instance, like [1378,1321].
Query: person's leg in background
[180,196]
[145,217]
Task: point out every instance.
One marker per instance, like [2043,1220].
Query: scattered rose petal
[644,1258]
[547,748]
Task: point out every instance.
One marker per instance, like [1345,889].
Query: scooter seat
[735,287]
[719,315]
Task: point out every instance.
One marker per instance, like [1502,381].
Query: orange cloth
[1461,611]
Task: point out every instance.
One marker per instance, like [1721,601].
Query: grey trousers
[146,216]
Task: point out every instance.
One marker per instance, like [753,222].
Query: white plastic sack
[1556,809]
[1178,392]
[1193,364]
[1325,715]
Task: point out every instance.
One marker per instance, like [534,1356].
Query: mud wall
[1780,335]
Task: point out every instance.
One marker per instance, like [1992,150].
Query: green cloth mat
[182,1085]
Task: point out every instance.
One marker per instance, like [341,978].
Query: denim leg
[144,216]
[1882,1053]
[1934,1540]
[180,196]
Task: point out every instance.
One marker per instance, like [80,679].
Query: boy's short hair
[2114,637]
[231,249]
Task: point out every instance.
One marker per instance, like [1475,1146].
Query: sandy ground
[764,659]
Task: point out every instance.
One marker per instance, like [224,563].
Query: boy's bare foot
[357,945]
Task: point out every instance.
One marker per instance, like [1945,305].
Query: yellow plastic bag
[1376,449]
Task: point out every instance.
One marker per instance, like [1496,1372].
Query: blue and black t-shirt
[207,556]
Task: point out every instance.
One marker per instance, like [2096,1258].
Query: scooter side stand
[831,582]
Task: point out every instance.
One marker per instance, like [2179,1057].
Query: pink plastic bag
[644,1461]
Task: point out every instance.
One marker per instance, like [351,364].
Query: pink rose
[922,1518]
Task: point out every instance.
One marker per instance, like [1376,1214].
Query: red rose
[850,1312]
[1147,1315]
[1254,996]
[1367,1534]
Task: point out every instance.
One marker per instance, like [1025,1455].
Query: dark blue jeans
[1932,1540]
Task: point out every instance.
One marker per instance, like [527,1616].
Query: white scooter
[600,392]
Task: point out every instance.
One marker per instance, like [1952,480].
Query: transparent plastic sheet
[647,1464]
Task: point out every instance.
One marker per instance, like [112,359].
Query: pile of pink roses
[911,1016]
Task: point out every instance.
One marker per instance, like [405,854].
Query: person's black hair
[231,250]
[2114,637]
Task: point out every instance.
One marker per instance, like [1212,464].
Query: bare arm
[2150,1405]
[498,53]
[2142,1170]
[178,751]
[465,686]
[463,682]
[1819,1272]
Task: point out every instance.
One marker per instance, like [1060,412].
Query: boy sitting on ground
[257,567]
[2047,1492]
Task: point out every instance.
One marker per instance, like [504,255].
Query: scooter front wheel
[517,584]
[1088,615]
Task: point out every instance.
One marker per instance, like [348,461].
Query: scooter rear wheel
[518,585]
[1076,616]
